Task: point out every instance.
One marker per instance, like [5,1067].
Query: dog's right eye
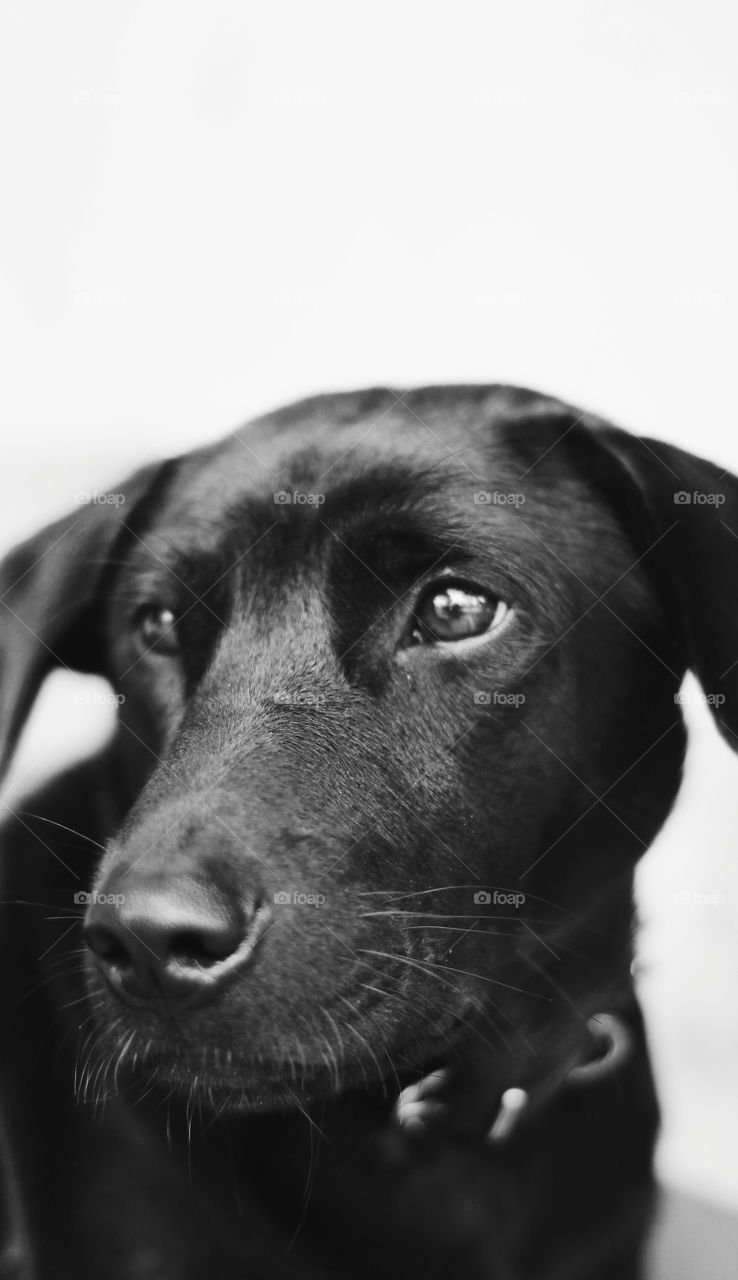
[155,627]
[451,612]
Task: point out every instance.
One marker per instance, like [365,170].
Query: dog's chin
[284,1079]
[224,1080]
[257,1086]
[284,1074]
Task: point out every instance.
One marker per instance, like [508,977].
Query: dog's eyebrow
[160,557]
[429,505]
[398,551]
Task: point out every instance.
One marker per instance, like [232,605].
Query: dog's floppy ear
[688,512]
[48,585]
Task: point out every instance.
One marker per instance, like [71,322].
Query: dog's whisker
[339,1039]
[62,826]
[397,895]
[68,970]
[556,986]
[410,1004]
[45,906]
[446,915]
[362,1039]
[83,999]
[452,986]
[427,965]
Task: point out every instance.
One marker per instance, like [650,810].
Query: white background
[208,209]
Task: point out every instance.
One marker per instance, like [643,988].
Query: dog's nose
[179,941]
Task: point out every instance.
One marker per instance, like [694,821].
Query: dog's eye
[456,611]
[156,628]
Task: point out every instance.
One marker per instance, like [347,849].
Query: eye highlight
[449,612]
[155,627]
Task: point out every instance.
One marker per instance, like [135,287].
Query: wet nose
[176,941]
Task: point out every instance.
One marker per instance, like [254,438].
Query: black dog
[352,994]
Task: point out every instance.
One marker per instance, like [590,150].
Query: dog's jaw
[286,1076]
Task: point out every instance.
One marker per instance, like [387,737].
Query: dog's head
[399,683]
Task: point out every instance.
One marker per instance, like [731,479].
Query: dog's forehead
[307,452]
[310,461]
[468,470]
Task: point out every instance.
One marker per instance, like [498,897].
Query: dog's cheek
[468,765]
[151,706]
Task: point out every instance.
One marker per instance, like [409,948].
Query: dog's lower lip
[216,1069]
[251,1083]
[243,1070]
[240,1068]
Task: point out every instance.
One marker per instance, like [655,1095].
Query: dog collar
[420,1103]
[613,1044]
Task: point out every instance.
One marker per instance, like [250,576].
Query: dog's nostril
[107,945]
[203,946]
[181,940]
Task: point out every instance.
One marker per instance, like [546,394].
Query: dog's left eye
[456,611]
[156,628]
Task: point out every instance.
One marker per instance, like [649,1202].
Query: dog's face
[397,701]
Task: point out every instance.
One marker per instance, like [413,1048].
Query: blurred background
[210,209]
